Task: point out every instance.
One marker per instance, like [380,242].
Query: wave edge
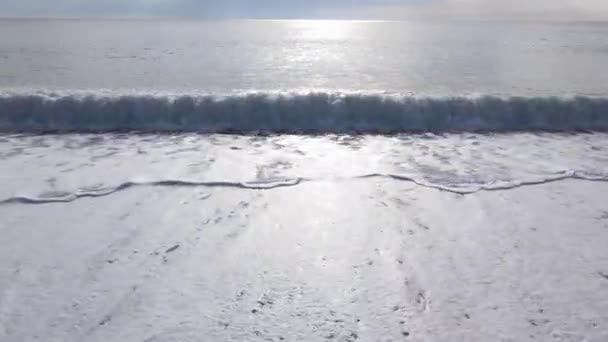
[272,184]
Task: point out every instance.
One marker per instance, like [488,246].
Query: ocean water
[301,76]
[481,216]
[320,80]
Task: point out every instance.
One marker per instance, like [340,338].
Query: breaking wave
[315,112]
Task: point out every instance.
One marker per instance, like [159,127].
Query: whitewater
[250,180]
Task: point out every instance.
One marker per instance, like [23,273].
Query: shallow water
[95,165]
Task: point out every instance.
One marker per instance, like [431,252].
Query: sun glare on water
[324,29]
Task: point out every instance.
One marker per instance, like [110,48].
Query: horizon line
[279,19]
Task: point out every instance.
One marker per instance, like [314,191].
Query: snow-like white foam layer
[174,237]
[316,112]
[66,167]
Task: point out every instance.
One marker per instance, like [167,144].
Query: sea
[461,106]
[168,180]
[301,76]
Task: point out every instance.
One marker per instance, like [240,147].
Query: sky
[314,9]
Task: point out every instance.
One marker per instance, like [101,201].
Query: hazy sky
[359,9]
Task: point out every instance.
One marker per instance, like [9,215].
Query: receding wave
[317,112]
[460,189]
[66,196]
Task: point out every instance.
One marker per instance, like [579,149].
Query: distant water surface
[423,58]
